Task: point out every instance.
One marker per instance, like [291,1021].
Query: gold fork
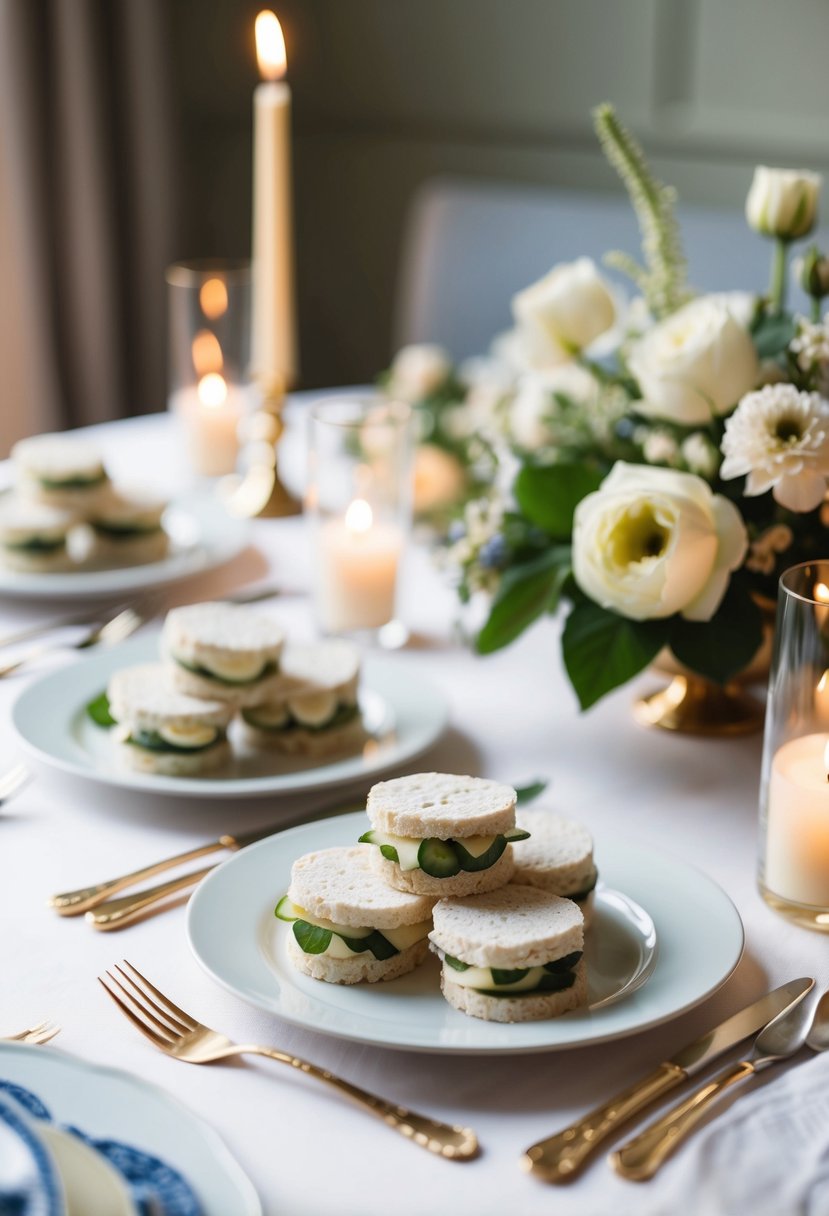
[117,629]
[174,1032]
[42,1033]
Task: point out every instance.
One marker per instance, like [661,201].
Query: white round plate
[664,937]
[202,534]
[108,1103]
[403,713]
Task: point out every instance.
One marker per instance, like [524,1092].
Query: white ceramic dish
[109,1103]
[644,967]
[404,714]
[203,536]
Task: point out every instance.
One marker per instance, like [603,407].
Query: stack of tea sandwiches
[65,513]
[446,865]
[223,663]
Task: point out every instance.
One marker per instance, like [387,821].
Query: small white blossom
[763,551]
[660,448]
[700,455]
[779,437]
[810,347]
[417,371]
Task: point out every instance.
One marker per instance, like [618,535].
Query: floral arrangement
[653,467]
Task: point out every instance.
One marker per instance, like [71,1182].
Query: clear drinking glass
[209,359]
[794,796]
[359,506]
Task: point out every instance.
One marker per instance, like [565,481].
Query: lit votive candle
[797,822]
[356,570]
[210,413]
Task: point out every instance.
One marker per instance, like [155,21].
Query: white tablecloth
[513,717]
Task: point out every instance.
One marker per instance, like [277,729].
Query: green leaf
[723,646]
[526,593]
[390,853]
[501,976]
[312,939]
[379,946]
[526,793]
[603,650]
[456,963]
[772,334]
[548,495]
[98,710]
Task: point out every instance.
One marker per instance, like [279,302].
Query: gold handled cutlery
[13,781]
[560,1157]
[179,1035]
[129,909]
[115,630]
[42,1033]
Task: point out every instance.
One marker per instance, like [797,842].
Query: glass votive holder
[359,503]
[209,359]
[794,795]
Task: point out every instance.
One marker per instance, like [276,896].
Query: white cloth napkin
[767,1155]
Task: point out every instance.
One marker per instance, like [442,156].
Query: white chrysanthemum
[779,437]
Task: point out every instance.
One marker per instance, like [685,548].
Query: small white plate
[105,1102]
[644,967]
[202,537]
[404,715]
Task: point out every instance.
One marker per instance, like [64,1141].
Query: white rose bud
[660,448]
[418,371]
[783,202]
[653,542]
[534,402]
[700,455]
[564,312]
[697,363]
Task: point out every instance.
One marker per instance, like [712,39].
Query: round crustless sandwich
[558,857]
[438,834]
[60,471]
[166,732]
[224,652]
[126,528]
[512,955]
[319,713]
[33,537]
[347,926]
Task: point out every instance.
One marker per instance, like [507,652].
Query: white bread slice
[362,968]
[25,562]
[175,764]
[298,741]
[57,457]
[532,1008]
[197,632]
[511,927]
[138,549]
[128,506]
[464,883]
[441,805]
[332,665]
[340,885]
[140,697]
[559,854]
[21,519]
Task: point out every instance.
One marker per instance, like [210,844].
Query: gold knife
[73,903]
[559,1158]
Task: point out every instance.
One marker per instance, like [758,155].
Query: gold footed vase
[692,705]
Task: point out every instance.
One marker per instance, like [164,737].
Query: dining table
[514,718]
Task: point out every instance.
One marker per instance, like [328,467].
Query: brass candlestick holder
[258,491]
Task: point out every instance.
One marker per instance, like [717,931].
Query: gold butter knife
[73,903]
[560,1157]
[123,912]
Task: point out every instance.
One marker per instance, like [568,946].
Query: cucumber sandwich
[33,536]
[558,857]
[438,834]
[224,652]
[347,926]
[318,714]
[163,731]
[126,528]
[60,471]
[511,955]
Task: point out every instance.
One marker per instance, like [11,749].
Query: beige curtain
[86,211]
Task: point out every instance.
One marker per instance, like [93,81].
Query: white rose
[418,371]
[533,404]
[783,202]
[698,362]
[652,542]
[564,312]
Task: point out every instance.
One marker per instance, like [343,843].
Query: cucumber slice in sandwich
[438,858]
[315,938]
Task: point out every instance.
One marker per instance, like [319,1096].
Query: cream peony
[652,542]
[563,313]
[439,478]
[697,363]
[531,409]
[779,438]
[783,202]
[418,371]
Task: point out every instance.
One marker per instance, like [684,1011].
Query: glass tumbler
[209,359]
[794,796]
[359,506]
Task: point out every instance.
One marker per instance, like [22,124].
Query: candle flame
[212,390]
[207,353]
[270,46]
[213,298]
[359,516]
[821,593]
